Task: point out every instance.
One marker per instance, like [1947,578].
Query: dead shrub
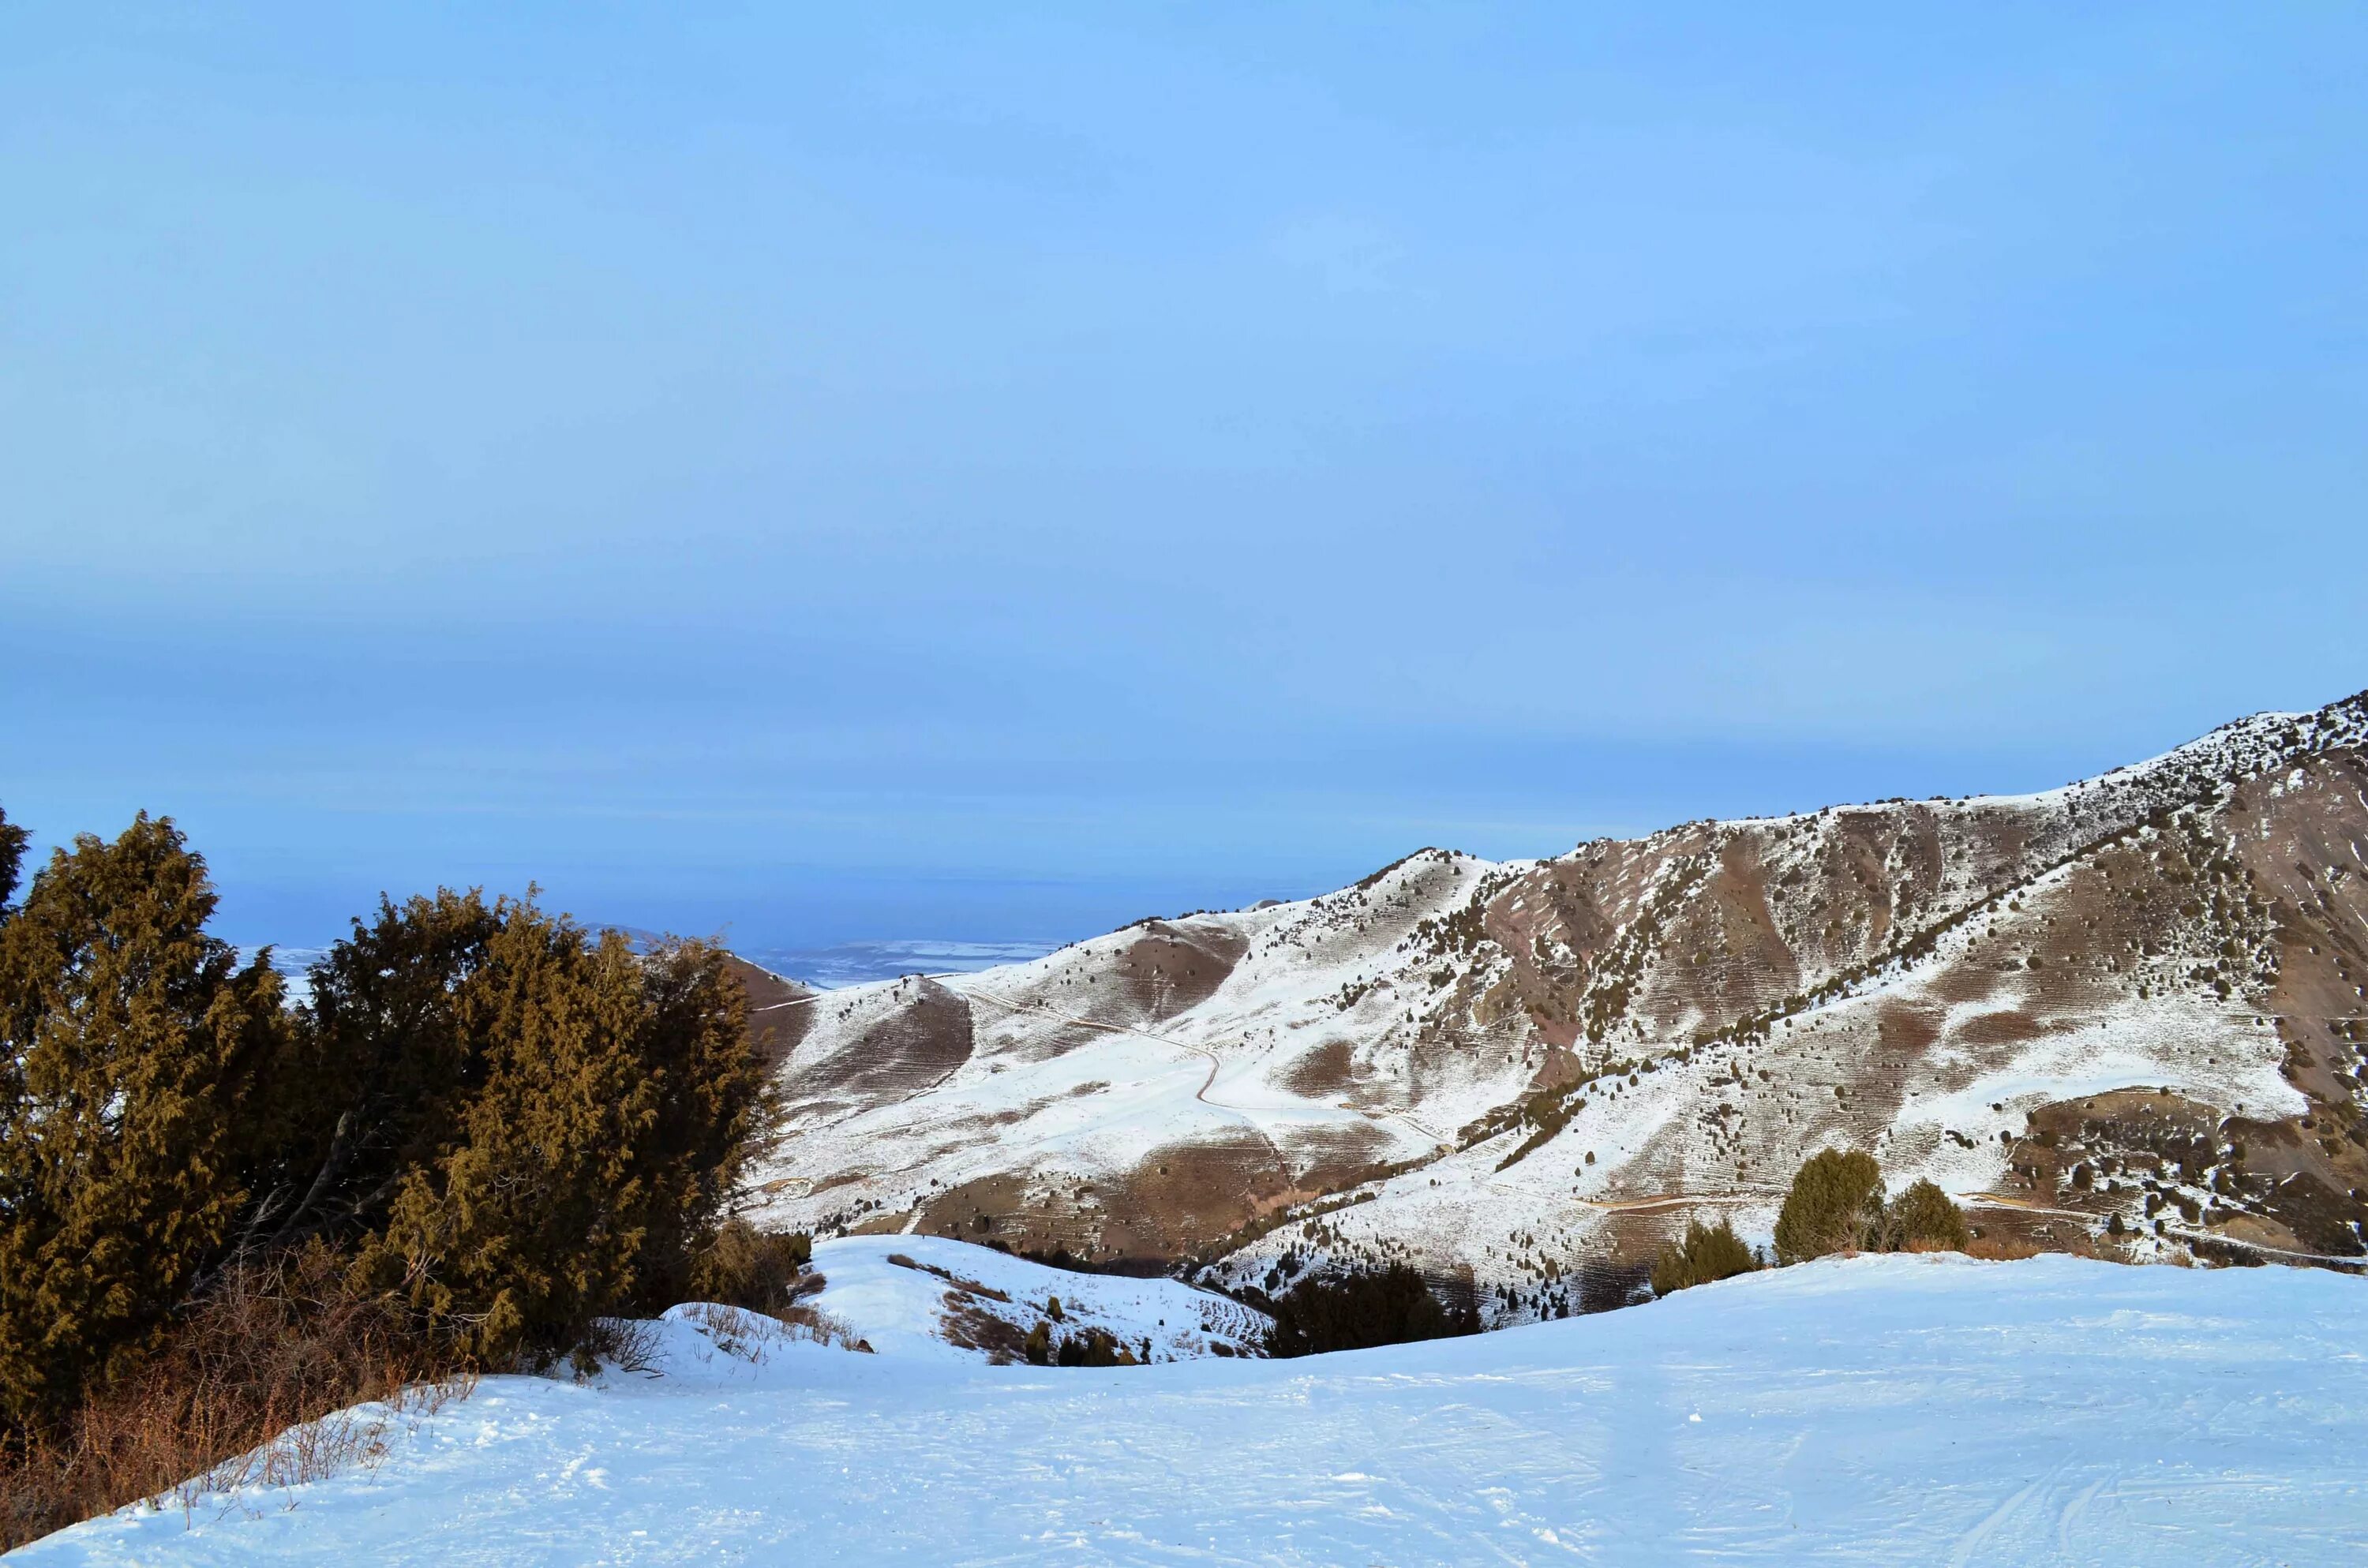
[813,1323]
[630,1344]
[254,1385]
[2000,1249]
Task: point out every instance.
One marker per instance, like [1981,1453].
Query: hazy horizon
[832,479]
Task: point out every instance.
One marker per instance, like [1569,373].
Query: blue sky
[833,473]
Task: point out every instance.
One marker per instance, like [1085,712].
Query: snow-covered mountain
[1897,1409]
[2127,1015]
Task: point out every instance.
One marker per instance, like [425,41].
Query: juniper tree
[744,1267]
[609,1098]
[12,859]
[712,1105]
[129,1040]
[1361,1308]
[380,1071]
[1835,1205]
[1703,1255]
[1923,1219]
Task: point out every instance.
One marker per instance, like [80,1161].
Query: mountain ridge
[2135,998]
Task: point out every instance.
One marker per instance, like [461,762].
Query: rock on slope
[2125,1013]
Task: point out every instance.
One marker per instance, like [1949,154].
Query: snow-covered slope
[2141,997]
[1890,1409]
[1160,1085]
[925,1296]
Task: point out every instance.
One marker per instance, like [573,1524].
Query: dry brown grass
[255,1387]
[2001,1249]
[630,1344]
[737,1330]
[813,1323]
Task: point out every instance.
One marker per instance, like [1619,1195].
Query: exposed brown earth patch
[2007,1026]
[969,1326]
[1335,1155]
[900,1052]
[1960,984]
[1171,967]
[1182,1194]
[1044,1045]
[991,1206]
[779,1012]
[1324,1073]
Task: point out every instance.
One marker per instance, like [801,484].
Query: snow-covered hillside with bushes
[2121,1017]
[924,1296]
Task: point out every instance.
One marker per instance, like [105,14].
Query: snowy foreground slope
[1894,1409]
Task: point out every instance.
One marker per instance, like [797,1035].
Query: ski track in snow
[1877,1409]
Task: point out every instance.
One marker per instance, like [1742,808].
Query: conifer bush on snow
[1923,1219]
[1703,1255]
[488,1124]
[1835,1205]
[1361,1308]
[131,1047]
[744,1266]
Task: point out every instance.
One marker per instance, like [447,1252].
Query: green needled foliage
[713,1106]
[484,1131]
[382,1065]
[744,1266]
[12,859]
[130,1043]
[1362,1308]
[1703,1254]
[505,1126]
[609,1098]
[1923,1219]
[1836,1204]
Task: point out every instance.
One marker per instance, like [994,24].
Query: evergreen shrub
[1703,1255]
[1835,1205]
[1922,1218]
[484,1131]
[1364,1307]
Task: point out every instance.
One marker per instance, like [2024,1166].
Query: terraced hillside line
[2024,1206]
[1676,1200]
[2209,1239]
